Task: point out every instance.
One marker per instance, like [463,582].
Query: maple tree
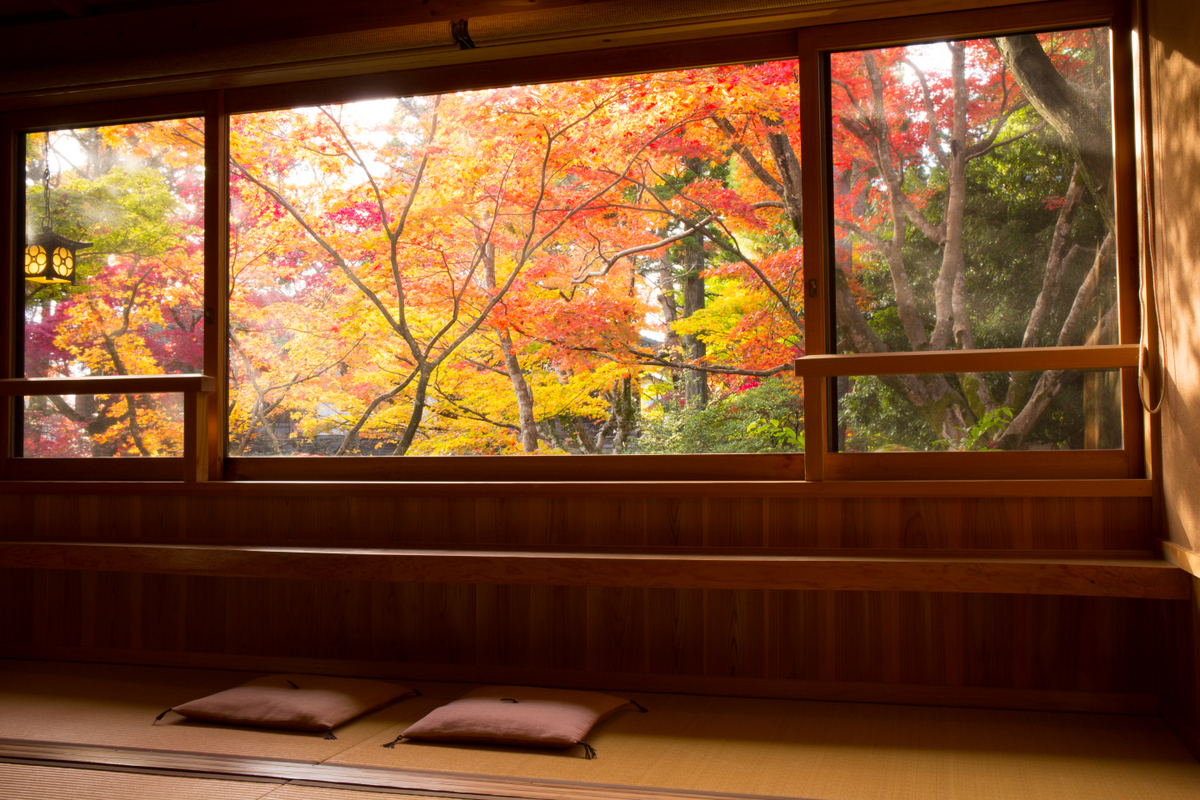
[484,259]
[136,193]
[609,265]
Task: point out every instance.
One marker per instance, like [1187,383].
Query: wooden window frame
[196,389]
[820,365]
[205,394]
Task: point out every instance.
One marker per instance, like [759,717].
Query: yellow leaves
[512,214]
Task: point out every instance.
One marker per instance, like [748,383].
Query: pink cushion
[295,702]
[538,718]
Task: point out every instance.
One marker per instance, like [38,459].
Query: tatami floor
[56,716]
[26,782]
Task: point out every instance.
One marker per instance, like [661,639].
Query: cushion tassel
[589,752]
[639,706]
[160,716]
[329,734]
[394,742]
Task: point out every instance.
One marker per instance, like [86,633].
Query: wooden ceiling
[33,12]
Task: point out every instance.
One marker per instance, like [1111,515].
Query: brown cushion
[295,702]
[538,718]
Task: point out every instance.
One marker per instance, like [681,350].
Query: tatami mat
[23,782]
[842,750]
[105,704]
[831,751]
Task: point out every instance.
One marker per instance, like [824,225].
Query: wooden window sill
[1094,577]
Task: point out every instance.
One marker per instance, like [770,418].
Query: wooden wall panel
[1046,523]
[205,614]
[921,633]
[793,622]
[559,636]
[1093,646]
[1178,661]
[783,643]
[675,631]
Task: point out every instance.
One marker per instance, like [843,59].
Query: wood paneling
[1069,646]
[1180,658]
[845,570]
[372,520]
[904,645]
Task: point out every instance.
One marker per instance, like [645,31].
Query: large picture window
[602,266]
[635,272]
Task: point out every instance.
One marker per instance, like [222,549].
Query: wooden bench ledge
[1142,578]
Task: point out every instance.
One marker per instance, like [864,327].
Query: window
[973,209]
[615,266]
[602,266]
[135,193]
[977,300]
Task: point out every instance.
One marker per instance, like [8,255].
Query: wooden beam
[1106,356]
[108,384]
[1182,557]
[62,471]
[229,23]
[623,467]
[1140,578]
[611,489]
[1000,465]
[608,46]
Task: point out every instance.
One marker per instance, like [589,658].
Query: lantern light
[49,257]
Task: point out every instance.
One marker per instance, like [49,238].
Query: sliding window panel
[974,209]
[131,196]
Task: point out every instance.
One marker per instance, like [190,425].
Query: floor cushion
[518,715]
[294,702]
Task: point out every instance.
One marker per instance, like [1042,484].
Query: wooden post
[195,436]
[9,185]
[813,147]
[216,282]
[1127,233]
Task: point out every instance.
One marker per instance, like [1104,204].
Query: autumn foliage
[609,265]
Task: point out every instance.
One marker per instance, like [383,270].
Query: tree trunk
[695,381]
[516,376]
[1081,118]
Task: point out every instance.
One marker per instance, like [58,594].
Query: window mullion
[9,297]
[1125,203]
[216,284]
[814,146]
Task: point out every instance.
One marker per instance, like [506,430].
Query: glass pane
[604,266]
[974,210]
[1066,410]
[102,426]
[133,195]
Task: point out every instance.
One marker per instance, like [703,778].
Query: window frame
[822,462]
[193,464]
[205,435]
